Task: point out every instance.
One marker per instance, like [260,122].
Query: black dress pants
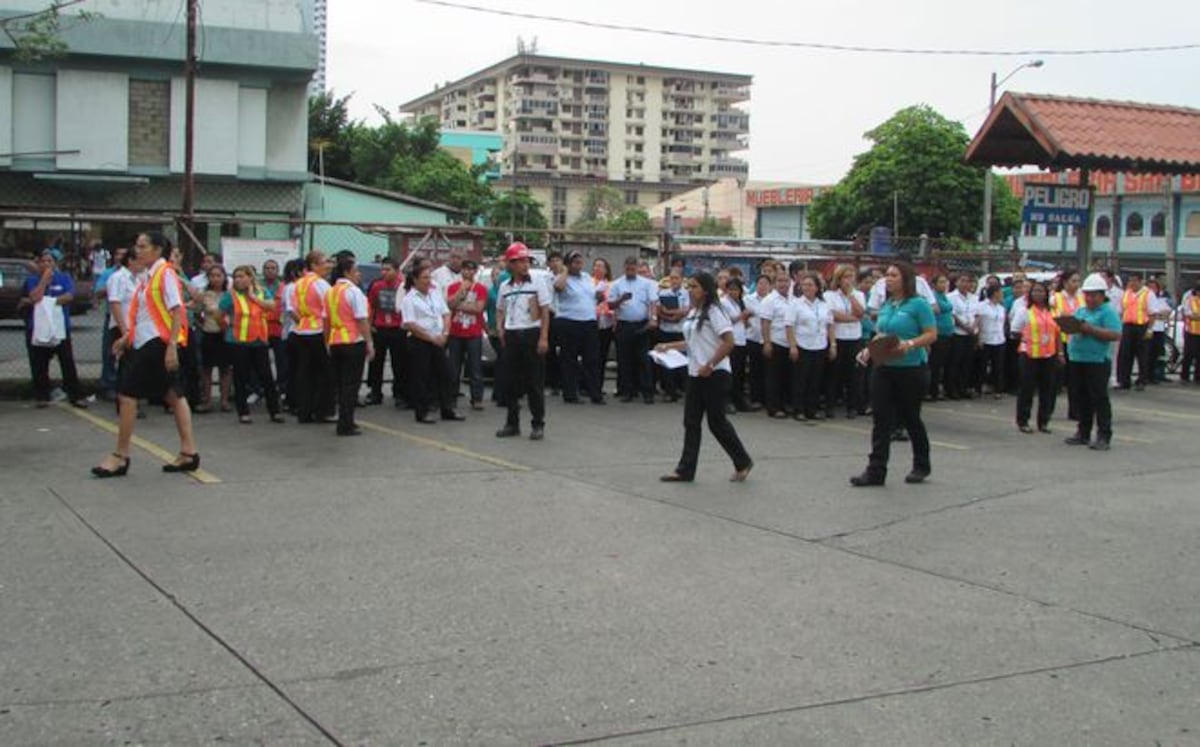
[675,379]
[806,381]
[737,361]
[993,364]
[1091,387]
[757,372]
[347,366]
[779,380]
[526,375]
[939,358]
[39,362]
[960,368]
[1191,357]
[843,376]
[430,380]
[579,359]
[634,373]
[314,385]
[389,345]
[250,363]
[1040,375]
[1134,346]
[708,398]
[896,395]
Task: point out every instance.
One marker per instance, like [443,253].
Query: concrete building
[755,210]
[320,26]
[1134,215]
[569,124]
[101,130]
[475,148]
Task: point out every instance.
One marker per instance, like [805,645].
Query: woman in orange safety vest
[1041,356]
[246,313]
[348,334]
[157,326]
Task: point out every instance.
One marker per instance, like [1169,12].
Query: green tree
[712,226]
[520,213]
[329,130]
[915,163]
[604,209]
[37,35]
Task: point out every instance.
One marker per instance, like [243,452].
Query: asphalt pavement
[432,585]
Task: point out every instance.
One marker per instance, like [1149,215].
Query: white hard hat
[1095,282]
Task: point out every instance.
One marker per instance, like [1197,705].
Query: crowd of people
[789,342]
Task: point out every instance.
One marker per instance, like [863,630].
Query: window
[1030,229]
[664,196]
[1103,226]
[1134,225]
[631,196]
[1158,225]
[1192,229]
[1052,231]
[560,193]
[559,217]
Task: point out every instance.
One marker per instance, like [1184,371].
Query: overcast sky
[809,109]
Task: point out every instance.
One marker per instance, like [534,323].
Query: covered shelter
[1061,133]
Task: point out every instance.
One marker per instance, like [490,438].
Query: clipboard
[884,349]
[1069,324]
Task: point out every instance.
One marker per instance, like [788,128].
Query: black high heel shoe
[191,465]
[121,471]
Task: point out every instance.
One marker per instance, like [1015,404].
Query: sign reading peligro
[1056,204]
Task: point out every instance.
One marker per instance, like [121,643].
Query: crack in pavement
[923,514]
[896,693]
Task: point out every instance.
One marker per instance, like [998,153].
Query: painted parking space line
[867,432]
[1117,405]
[200,476]
[999,419]
[445,446]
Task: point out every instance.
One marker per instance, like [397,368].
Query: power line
[819,46]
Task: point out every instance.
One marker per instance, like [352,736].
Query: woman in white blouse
[811,341]
[754,342]
[739,314]
[708,339]
[991,317]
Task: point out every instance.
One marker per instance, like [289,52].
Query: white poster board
[255,252]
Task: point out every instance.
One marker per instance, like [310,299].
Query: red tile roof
[1060,132]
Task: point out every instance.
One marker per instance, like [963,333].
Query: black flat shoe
[1044,429]
[426,420]
[191,464]
[742,474]
[353,431]
[1024,428]
[103,472]
[916,476]
[674,477]
[537,434]
[508,431]
[866,480]
[277,418]
[451,415]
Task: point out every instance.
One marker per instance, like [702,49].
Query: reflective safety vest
[1040,336]
[1135,307]
[249,322]
[156,300]
[1064,304]
[310,306]
[343,327]
[1193,324]
[274,316]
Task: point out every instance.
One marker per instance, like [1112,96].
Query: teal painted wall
[341,205]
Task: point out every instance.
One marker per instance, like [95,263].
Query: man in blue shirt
[50,282]
[1090,353]
[634,301]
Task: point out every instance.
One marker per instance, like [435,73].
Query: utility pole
[1172,264]
[987,176]
[189,130]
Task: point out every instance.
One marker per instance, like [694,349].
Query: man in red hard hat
[523,322]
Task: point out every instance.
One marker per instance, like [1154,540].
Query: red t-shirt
[382,299]
[467,324]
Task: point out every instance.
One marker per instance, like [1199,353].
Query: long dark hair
[292,270]
[708,284]
[345,265]
[908,279]
[740,299]
[1045,301]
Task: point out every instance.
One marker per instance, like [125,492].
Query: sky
[809,109]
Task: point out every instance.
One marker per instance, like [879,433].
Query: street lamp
[987,183]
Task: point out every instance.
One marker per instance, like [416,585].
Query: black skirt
[214,350]
[144,374]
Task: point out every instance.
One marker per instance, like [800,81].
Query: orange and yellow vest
[1040,337]
[1135,307]
[343,327]
[275,316]
[310,306]
[1064,304]
[1193,324]
[160,315]
[249,322]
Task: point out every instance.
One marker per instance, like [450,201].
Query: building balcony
[736,123]
[728,167]
[731,94]
[678,157]
[530,76]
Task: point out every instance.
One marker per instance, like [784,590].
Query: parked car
[12,278]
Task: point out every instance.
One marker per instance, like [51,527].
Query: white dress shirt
[991,318]
[733,311]
[683,301]
[839,303]
[879,293]
[776,309]
[754,323]
[521,303]
[425,310]
[443,277]
[119,289]
[963,308]
[703,340]
[810,323]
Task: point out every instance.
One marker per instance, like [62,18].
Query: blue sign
[1056,205]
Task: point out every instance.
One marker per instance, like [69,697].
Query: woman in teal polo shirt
[1090,352]
[939,354]
[899,384]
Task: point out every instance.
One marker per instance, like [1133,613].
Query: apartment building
[568,124]
[101,129]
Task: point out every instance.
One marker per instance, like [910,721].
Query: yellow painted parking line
[998,419]
[149,447]
[449,448]
[867,432]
